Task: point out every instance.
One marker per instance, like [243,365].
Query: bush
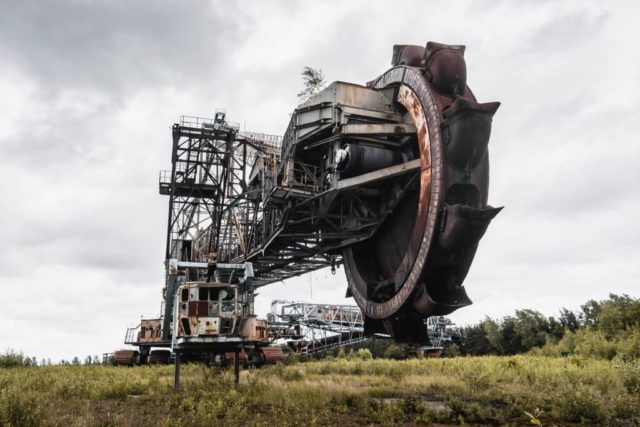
[630,371]
[594,343]
[393,352]
[364,354]
[579,404]
[451,350]
[18,408]
[120,389]
[292,374]
[291,358]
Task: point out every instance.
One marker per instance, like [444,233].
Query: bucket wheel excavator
[389,179]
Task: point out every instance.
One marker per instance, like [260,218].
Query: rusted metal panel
[150,330]
[255,329]
[125,357]
[198,308]
[273,354]
[404,54]
[208,325]
[242,355]
[159,357]
[446,68]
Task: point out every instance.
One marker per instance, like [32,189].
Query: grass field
[345,391]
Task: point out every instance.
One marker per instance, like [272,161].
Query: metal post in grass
[236,368]
[176,379]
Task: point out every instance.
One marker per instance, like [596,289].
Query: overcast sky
[89,91]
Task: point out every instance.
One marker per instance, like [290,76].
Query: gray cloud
[114,46]
[568,30]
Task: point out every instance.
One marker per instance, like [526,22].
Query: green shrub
[292,374]
[19,408]
[383,413]
[393,352]
[291,358]
[478,379]
[364,354]
[594,343]
[451,350]
[625,407]
[412,405]
[579,404]
[120,389]
[226,408]
[630,372]
[629,344]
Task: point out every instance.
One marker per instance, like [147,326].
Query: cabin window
[225,326]
[185,295]
[226,294]
[203,294]
[186,326]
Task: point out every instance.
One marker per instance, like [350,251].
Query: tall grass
[353,390]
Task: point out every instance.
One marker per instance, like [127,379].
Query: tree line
[615,320]
[12,358]
[606,329]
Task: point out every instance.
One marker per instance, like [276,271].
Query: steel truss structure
[311,328]
[214,214]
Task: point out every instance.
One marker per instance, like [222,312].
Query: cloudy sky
[89,90]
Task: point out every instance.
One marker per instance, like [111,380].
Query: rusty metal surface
[159,357]
[125,357]
[150,331]
[204,312]
[272,354]
[229,357]
[408,55]
[256,357]
[255,329]
[446,68]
